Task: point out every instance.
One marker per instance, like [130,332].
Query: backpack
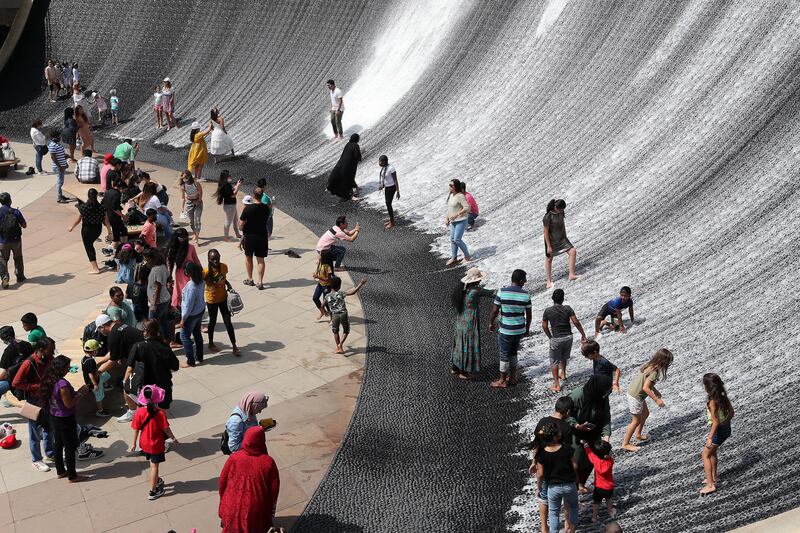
[223,442]
[25,350]
[90,332]
[10,230]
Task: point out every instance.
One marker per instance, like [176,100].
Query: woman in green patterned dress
[465,360]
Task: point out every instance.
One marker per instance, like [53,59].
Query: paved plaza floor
[287,354]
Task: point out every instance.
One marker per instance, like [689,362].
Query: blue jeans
[59,183]
[338,254]
[40,151]
[165,222]
[5,386]
[161,315]
[471,218]
[508,346]
[456,232]
[555,493]
[36,434]
[191,328]
[319,291]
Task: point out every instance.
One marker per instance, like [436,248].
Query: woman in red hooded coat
[248,486]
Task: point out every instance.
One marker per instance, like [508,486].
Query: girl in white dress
[221,143]
[157,107]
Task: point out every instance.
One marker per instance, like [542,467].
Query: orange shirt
[215,284]
[149,234]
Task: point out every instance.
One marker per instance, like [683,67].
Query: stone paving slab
[286,353]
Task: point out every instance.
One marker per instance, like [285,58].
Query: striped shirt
[58,154]
[513,301]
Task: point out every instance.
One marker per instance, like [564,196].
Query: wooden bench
[6,165]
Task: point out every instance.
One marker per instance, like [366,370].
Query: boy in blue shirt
[613,309]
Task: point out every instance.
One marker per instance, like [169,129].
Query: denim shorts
[542,496]
[722,434]
[508,346]
[560,348]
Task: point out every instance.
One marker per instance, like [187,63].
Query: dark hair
[150,189]
[518,276]
[261,183]
[152,329]
[341,220]
[552,204]
[154,256]
[383,159]
[7,333]
[114,290]
[193,271]
[55,133]
[590,346]
[459,295]
[660,363]
[548,433]
[715,389]
[187,176]
[43,344]
[463,186]
[69,113]
[601,448]
[29,318]
[595,397]
[336,283]
[214,114]
[192,134]
[151,213]
[87,153]
[5,198]
[91,197]
[221,183]
[147,392]
[36,123]
[178,247]
[558,296]
[331,82]
[564,405]
[354,138]
[55,371]
[456,186]
[257,192]
[626,290]
[326,257]
[124,254]
[129,141]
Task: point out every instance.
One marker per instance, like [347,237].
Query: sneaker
[90,454]
[127,417]
[167,446]
[156,494]
[5,403]
[108,250]
[104,414]
[160,482]
[62,200]
[40,466]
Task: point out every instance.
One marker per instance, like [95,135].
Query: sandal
[249,283]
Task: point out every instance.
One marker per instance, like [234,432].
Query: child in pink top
[600,456]
[473,206]
[149,229]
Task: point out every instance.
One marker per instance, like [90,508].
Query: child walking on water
[114,101]
[338,310]
[151,423]
[642,386]
[719,412]
[600,365]
[600,456]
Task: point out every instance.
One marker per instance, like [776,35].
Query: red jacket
[603,476]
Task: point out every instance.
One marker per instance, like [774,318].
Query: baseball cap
[91,346]
[195,125]
[102,320]
[168,80]
[247,200]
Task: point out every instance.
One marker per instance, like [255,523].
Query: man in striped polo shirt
[513,304]
[59,163]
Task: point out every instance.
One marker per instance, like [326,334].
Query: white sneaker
[5,403]
[40,466]
[127,417]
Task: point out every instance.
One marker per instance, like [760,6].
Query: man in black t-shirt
[121,340]
[253,223]
[557,322]
[116,218]
[15,352]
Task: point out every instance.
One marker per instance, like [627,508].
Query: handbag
[235,303]
[30,411]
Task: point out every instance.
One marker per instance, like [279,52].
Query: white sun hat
[473,275]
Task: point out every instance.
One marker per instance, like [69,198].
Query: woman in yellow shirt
[198,153]
[217,286]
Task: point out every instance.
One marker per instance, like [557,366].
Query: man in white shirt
[51,76]
[337,108]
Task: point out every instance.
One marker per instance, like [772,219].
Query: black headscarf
[595,397]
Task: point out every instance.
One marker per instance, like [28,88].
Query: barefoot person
[337,108]
[555,239]
[591,421]
[390,187]
[719,412]
[557,322]
[642,386]
[613,309]
[513,304]
[457,215]
[335,300]
[465,359]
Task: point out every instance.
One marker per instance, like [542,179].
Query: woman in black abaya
[342,180]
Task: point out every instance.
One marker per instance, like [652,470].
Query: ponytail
[151,408]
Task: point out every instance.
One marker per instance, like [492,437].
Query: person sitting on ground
[95,378]
[30,323]
[613,309]
[15,352]
[249,486]
[243,417]
[118,309]
[642,386]
[125,264]
[473,206]
[557,322]
[600,456]
[87,170]
[600,365]
[149,229]
[335,301]
[338,232]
